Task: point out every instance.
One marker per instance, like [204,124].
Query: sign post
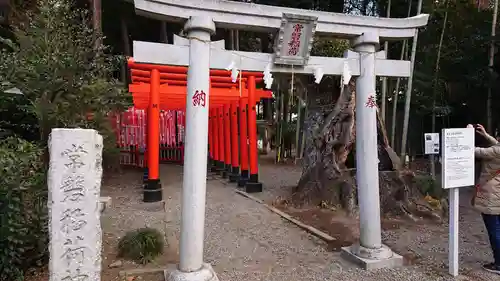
[457,170]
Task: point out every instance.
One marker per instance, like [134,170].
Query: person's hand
[480,129]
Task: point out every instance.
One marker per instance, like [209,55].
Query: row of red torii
[232,138]
[130,127]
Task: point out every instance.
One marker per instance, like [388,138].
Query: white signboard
[457,170]
[431,141]
[458,157]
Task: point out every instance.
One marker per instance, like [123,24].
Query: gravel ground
[127,213]
[277,179]
[426,244]
[245,241]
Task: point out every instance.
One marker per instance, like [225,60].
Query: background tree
[55,72]
[66,78]
[330,127]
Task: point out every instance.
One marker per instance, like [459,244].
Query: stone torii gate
[201,55]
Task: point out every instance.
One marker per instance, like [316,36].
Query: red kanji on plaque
[199,98]
[371,103]
[294,43]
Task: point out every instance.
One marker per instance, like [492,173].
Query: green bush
[65,74]
[429,186]
[142,245]
[23,209]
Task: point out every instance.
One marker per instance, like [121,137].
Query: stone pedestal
[206,273]
[371,259]
[74,184]
[253,185]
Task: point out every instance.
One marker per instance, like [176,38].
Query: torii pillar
[191,266]
[370,252]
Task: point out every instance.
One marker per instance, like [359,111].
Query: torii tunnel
[232,138]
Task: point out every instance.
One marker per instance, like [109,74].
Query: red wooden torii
[164,87]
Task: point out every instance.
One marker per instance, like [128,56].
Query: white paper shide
[458,157]
[74,187]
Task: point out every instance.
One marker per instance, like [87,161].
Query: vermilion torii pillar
[235,170]
[152,188]
[243,143]
[215,139]
[220,133]
[227,140]
[253,184]
[210,142]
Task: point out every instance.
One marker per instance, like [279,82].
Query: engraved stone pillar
[74,183]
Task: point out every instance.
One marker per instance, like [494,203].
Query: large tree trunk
[97,22]
[330,137]
[329,133]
